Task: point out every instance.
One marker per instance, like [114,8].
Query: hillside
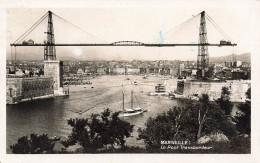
[245,57]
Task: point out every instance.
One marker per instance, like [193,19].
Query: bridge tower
[50,51]
[52,67]
[203,53]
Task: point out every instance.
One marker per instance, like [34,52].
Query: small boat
[158,94]
[160,89]
[55,138]
[135,83]
[132,111]
[88,82]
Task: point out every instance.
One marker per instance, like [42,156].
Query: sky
[148,24]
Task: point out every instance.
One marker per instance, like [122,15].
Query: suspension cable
[180,31]
[218,28]
[30,29]
[178,27]
[78,27]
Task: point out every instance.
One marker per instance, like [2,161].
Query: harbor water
[50,115]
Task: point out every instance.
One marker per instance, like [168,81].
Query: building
[87,69]
[101,70]
[186,72]
[21,87]
[180,69]
[173,71]
[118,70]
[66,69]
[132,71]
[229,64]
[238,75]
[237,64]
[213,88]
[164,71]
[194,72]
[7,70]
[24,89]
[54,68]
[80,71]
[142,70]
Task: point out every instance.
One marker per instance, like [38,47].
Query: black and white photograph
[147,79]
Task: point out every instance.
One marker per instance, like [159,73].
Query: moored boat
[160,89]
[126,112]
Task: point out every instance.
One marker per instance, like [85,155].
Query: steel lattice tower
[49,50]
[203,54]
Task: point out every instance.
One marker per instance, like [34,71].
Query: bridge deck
[112,44]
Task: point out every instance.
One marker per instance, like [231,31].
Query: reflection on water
[50,115]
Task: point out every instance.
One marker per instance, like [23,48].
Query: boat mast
[131,96]
[123,98]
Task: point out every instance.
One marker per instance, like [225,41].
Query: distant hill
[30,56]
[245,57]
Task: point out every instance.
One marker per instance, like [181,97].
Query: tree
[96,133]
[211,118]
[190,122]
[36,145]
[224,101]
[243,116]
[165,126]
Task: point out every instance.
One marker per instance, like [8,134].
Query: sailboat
[126,112]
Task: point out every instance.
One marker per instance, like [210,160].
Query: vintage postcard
[157,80]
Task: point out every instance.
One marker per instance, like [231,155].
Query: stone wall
[19,89]
[35,87]
[213,89]
[13,90]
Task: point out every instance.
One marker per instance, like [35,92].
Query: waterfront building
[180,69]
[118,70]
[173,71]
[142,70]
[132,71]
[213,88]
[87,69]
[20,89]
[101,70]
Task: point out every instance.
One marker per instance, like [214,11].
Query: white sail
[132,111]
